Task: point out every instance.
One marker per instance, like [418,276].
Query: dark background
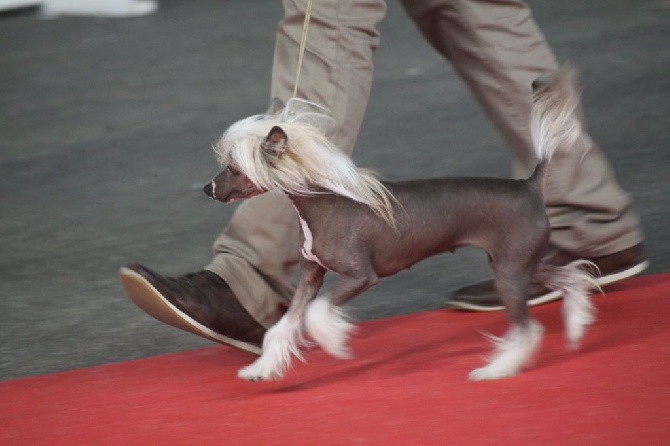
[106,127]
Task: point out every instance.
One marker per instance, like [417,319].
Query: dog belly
[396,256]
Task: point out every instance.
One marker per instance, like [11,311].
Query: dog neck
[304,205]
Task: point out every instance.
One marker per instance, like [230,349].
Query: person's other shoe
[482,296]
[201,303]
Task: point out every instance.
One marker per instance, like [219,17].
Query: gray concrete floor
[105,135]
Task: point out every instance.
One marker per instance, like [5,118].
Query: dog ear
[276,105]
[276,142]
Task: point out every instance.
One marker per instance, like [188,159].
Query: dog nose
[208,189]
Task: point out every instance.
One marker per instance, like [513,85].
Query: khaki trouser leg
[257,254]
[497,48]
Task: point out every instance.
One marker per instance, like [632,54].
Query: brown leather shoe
[201,303]
[481,296]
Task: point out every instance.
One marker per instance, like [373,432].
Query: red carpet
[407,385]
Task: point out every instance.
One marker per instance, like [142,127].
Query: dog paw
[342,352]
[258,371]
[490,372]
[252,375]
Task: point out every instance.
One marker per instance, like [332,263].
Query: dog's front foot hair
[260,370]
[328,326]
[513,351]
[281,342]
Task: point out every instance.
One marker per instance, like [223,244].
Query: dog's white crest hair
[310,165]
[554,118]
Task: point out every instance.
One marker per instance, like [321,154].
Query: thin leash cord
[303,42]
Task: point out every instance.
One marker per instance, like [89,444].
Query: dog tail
[554,116]
[574,281]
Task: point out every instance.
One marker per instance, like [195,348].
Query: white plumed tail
[575,281]
[554,120]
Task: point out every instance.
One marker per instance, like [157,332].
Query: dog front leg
[328,325]
[326,321]
[354,282]
[285,338]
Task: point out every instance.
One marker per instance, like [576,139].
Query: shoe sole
[152,302]
[555,295]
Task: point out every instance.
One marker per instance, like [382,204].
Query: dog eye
[233,170]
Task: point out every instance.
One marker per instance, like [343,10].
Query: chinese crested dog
[363,229]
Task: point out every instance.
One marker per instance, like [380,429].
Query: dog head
[288,150]
[233,184]
[258,155]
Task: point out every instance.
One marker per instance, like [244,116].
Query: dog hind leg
[512,352]
[517,347]
[574,281]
